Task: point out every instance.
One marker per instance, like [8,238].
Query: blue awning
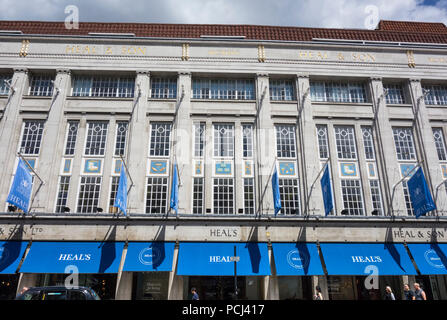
[216,259]
[63,257]
[149,256]
[297,259]
[361,258]
[431,258]
[11,252]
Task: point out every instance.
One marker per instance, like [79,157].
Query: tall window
[437,94]
[62,194]
[160,139]
[282,90]
[288,181]
[406,155]
[323,144]
[31,137]
[345,141]
[198,196]
[248,180]
[72,133]
[103,86]
[395,94]
[403,140]
[440,144]
[223,140]
[156,195]
[223,195]
[199,139]
[370,155]
[223,89]
[4,88]
[113,190]
[163,88]
[120,140]
[41,85]
[351,186]
[285,141]
[337,91]
[89,192]
[96,138]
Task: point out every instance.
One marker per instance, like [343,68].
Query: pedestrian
[318,295]
[419,294]
[195,296]
[409,294]
[389,295]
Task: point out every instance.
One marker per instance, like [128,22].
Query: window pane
[290,198]
[345,141]
[31,137]
[352,197]
[160,139]
[403,140]
[285,141]
[156,195]
[223,196]
[62,195]
[223,140]
[96,138]
[89,194]
[72,133]
[41,85]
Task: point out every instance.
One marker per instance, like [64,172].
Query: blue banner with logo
[431,258]
[174,190]
[218,259]
[22,186]
[73,257]
[292,259]
[121,193]
[420,195]
[149,256]
[326,189]
[276,193]
[382,259]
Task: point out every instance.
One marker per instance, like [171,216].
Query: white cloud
[309,13]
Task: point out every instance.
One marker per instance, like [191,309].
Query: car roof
[58,288]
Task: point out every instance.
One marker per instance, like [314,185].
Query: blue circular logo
[432,258]
[149,256]
[297,260]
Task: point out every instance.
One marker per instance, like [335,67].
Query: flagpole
[313,185]
[265,189]
[400,181]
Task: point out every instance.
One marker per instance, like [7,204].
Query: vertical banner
[276,194]
[326,189]
[420,195]
[121,193]
[20,193]
[174,190]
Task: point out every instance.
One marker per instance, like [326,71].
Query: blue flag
[174,190]
[326,188]
[20,193]
[276,194]
[420,195]
[121,193]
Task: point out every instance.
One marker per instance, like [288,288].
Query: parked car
[58,293]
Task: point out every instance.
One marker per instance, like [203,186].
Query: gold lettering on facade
[437,60]
[313,55]
[363,57]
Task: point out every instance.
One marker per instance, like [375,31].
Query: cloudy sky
[307,13]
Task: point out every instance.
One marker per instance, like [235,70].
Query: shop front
[91,264]
[11,252]
[150,263]
[294,265]
[357,271]
[223,271]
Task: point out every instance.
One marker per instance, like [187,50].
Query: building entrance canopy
[73,257]
[382,259]
[300,259]
[431,258]
[218,259]
[149,256]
